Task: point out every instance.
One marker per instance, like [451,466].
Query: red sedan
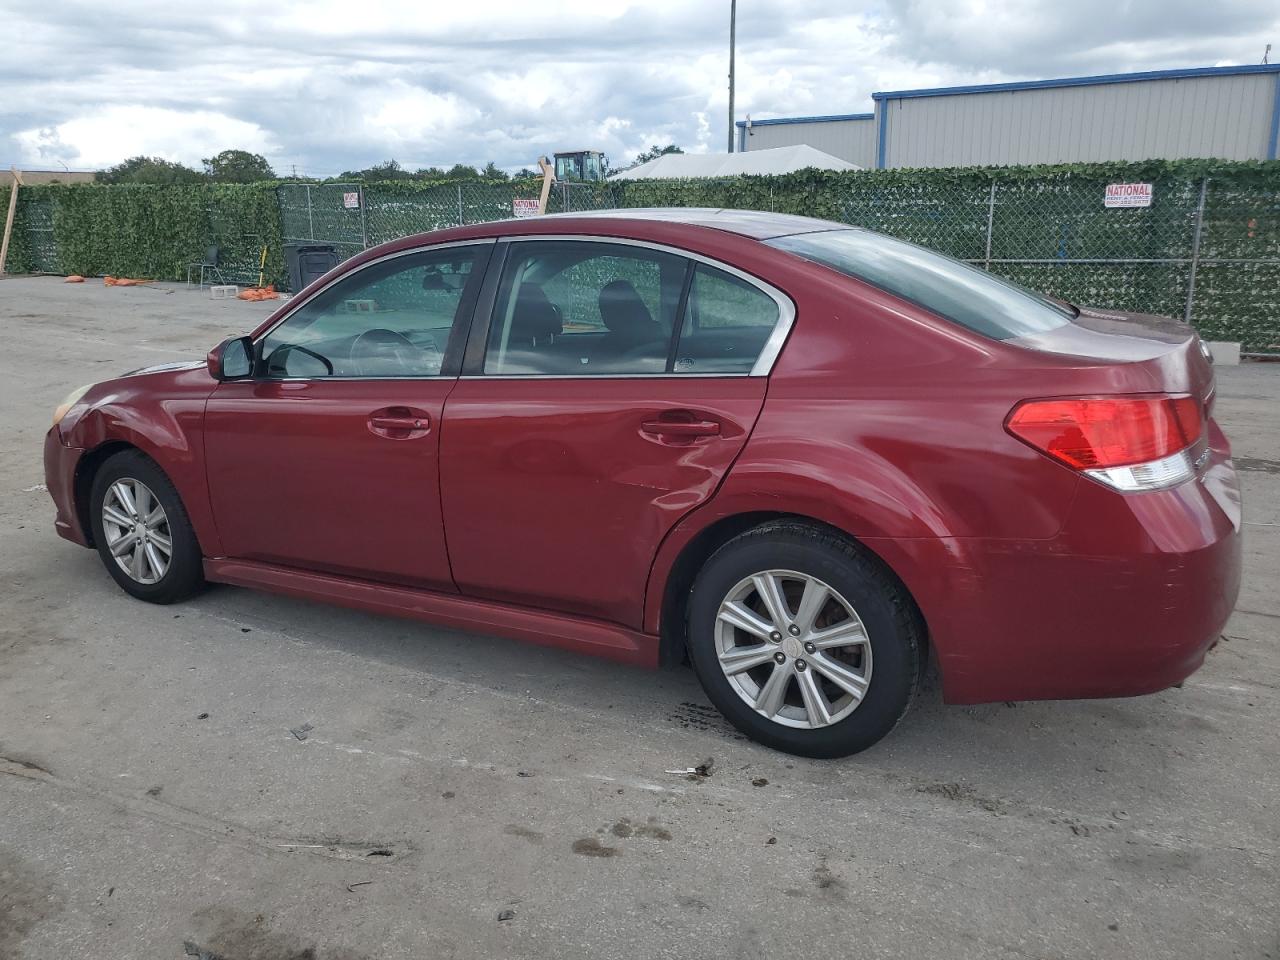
[807,457]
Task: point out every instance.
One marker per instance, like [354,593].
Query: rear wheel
[142,531]
[804,642]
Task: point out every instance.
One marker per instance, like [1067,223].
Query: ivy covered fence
[1207,249]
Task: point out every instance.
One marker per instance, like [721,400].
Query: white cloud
[329,87]
[111,133]
[403,115]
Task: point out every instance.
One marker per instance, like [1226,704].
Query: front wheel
[141,530]
[803,642]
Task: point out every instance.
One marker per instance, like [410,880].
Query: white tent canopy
[676,166]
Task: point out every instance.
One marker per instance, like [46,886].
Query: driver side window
[389,319]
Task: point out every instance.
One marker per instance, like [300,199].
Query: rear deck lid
[1136,351]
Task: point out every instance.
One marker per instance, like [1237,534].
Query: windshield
[966,295]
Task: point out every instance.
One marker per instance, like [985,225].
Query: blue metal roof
[1184,74]
[1188,73]
[834,116]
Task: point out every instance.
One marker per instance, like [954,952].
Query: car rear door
[607,395]
[328,459]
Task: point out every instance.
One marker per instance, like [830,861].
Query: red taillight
[1094,432]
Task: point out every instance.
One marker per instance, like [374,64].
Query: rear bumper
[60,464]
[1126,600]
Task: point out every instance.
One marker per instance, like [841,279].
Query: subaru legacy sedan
[806,457]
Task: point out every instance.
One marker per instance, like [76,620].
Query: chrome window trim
[762,367]
[408,251]
[344,379]
[764,362]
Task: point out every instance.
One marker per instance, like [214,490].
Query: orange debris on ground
[74,278]
[260,293]
[124,282]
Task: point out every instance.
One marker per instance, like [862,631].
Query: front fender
[162,415]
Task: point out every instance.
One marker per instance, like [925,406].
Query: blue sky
[327,86]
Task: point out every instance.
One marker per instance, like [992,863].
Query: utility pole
[733,26]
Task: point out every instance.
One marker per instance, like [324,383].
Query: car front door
[608,394]
[328,459]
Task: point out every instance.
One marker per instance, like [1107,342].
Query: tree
[653,153]
[238,166]
[387,170]
[460,171]
[524,173]
[492,171]
[429,173]
[154,170]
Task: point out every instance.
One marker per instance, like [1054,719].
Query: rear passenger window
[580,308]
[726,323]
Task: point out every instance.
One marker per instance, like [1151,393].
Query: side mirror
[232,359]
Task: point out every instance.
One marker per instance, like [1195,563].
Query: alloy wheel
[137,530]
[793,649]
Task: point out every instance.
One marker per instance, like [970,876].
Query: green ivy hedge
[1048,227]
[1050,230]
[153,232]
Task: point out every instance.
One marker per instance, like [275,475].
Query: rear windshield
[971,297]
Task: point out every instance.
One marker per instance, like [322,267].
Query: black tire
[185,574]
[892,623]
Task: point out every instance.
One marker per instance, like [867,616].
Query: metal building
[1230,113]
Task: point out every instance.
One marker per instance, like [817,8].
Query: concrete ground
[155,803]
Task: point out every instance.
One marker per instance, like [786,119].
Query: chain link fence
[42,246]
[324,213]
[1202,251]
[1206,250]
[353,216]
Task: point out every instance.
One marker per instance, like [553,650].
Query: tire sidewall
[893,654]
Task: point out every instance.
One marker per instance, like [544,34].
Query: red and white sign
[351,201]
[1127,195]
[521,207]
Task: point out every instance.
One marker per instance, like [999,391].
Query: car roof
[694,227]
[757,224]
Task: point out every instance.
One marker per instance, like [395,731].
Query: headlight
[72,399]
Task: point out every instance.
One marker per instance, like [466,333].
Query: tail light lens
[1127,442]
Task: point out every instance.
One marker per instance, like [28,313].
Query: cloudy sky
[329,86]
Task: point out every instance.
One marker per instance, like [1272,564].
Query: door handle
[400,423]
[681,429]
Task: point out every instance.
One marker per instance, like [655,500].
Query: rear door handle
[681,430]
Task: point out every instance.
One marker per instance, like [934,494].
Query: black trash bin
[308,261]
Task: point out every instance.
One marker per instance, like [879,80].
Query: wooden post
[8,220]
[548,178]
